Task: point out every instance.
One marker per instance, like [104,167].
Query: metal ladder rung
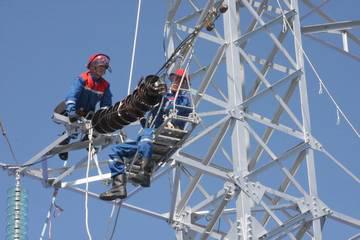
[173,132]
[166,140]
[182,106]
[181,118]
[160,149]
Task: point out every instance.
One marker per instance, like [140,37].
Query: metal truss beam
[329,27]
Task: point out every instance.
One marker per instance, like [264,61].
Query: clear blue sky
[44,45]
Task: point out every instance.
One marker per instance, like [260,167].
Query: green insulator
[17,213]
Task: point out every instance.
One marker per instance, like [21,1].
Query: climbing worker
[141,149]
[87,91]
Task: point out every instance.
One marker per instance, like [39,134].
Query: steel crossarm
[43,153]
[328,27]
[333,46]
[329,19]
[263,27]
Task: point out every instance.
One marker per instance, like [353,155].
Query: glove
[71,112]
[73,116]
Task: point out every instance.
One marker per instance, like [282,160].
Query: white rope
[320,88]
[48,216]
[322,84]
[134,46]
[182,80]
[90,153]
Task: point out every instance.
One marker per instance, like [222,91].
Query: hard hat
[99,59]
[179,72]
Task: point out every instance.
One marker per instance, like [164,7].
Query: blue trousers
[128,149]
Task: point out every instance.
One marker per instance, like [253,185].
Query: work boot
[144,175]
[118,189]
[64,155]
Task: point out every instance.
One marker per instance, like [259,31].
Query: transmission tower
[261,126]
[246,170]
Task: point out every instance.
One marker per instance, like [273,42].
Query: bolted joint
[239,114]
[315,206]
[229,190]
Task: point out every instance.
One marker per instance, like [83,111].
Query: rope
[90,153]
[116,221]
[48,216]
[134,46]
[157,113]
[3,131]
[322,84]
[182,80]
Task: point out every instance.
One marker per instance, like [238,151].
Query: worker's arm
[73,97]
[106,100]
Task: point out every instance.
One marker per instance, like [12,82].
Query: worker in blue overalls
[89,89]
[141,149]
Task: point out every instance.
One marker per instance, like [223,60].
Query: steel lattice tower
[260,57]
[247,171]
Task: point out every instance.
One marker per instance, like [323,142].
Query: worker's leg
[145,153]
[117,168]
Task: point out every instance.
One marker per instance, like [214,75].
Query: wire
[87,182]
[48,216]
[338,109]
[116,221]
[134,46]
[3,131]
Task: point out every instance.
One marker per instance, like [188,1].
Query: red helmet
[179,73]
[176,77]
[99,59]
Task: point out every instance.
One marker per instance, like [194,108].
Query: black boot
[118,189]
[64,155]
[144,175]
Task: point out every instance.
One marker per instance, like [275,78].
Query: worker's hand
[73,116]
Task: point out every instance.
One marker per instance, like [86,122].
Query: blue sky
[44,45]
